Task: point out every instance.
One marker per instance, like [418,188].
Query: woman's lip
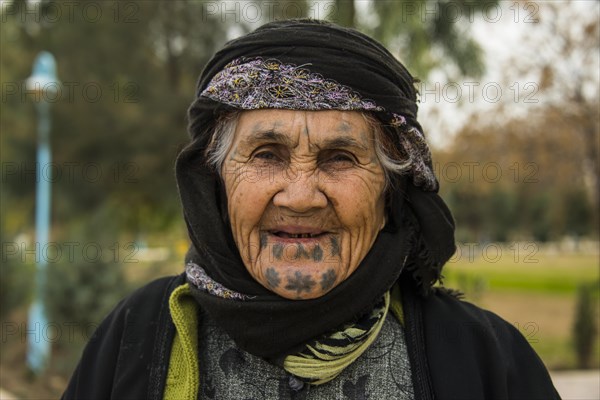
[296,230]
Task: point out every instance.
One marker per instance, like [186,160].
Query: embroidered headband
[258,83]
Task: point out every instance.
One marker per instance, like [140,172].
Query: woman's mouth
[296,233]
[288,235]
[299,244]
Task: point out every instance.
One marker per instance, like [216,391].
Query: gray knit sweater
[226,372]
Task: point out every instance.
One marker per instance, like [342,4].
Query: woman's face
[305,197]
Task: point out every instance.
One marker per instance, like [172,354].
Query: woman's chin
[299,280]
[292,295]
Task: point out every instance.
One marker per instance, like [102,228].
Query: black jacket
[457,351]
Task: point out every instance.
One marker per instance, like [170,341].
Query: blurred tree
[423,34]
[502,205]
[128,73]
[468,207]
[520,179]
[577,211]
[345,13]
[16,272]
[585,326]
[84,291]
[536,219]
[544,136]
[565,70]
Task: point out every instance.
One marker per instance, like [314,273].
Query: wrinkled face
[305,197]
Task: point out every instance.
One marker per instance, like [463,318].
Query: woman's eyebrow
[342,142]
[260,136]
[273,136]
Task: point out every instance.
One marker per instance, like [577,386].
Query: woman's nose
[300,192]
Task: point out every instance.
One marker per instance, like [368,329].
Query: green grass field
[542,273]
[537,292]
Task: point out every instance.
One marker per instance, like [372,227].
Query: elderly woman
[317,236]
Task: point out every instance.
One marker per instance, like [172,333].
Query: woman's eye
[266,155]
[340,158]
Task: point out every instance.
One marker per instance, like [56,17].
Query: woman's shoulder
[463,339]
[125,356]
[449,314]
[449,307]
[144,308]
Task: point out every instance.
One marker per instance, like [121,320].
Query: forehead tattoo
[345,127]
[345,139]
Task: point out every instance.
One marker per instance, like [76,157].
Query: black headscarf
[419,235]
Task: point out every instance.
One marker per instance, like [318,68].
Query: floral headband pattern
[259,83]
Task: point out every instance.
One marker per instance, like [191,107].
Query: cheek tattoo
[335,247]
[263,240]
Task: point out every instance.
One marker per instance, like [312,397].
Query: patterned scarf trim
[321,360]
[199,278]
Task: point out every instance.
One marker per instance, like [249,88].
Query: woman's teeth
[295,235]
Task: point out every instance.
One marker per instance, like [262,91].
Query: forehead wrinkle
[341,142]
[258,134]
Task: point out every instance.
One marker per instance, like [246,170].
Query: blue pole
[38,345]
